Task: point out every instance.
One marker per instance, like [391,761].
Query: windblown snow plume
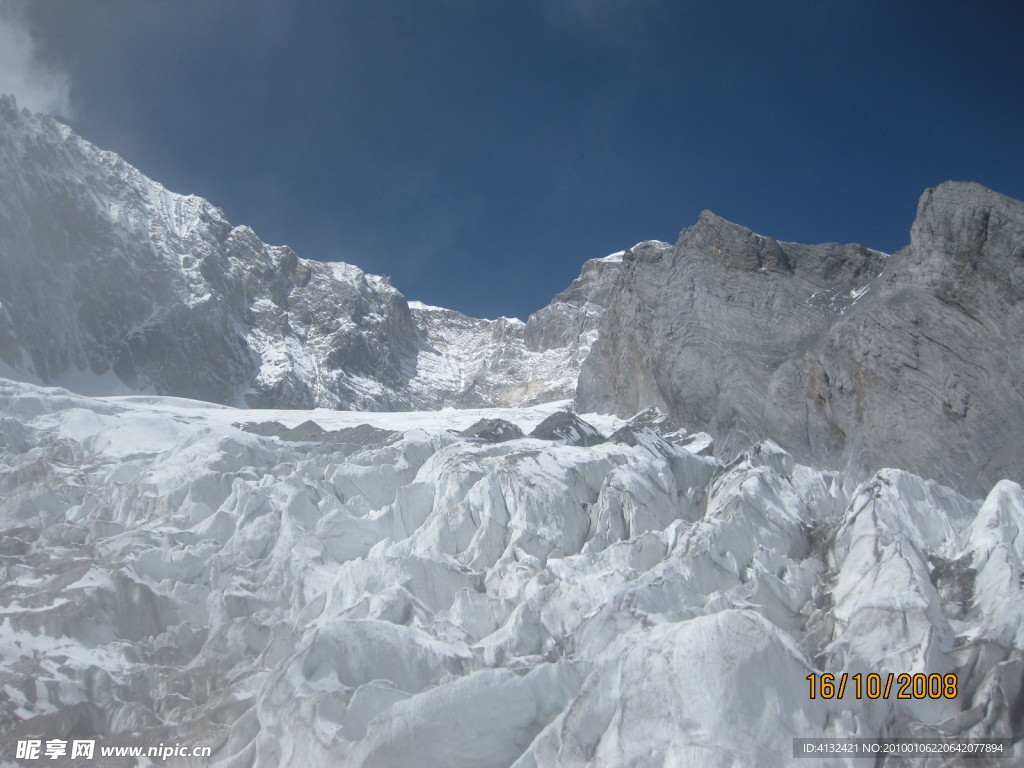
[24,73]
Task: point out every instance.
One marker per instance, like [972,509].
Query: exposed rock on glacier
[568,428]
[433,599]
[842,354]
[493,430]
[653,418]
[310,431]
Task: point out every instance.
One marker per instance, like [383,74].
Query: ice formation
[416,597]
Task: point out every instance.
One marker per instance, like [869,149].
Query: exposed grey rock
[656,419]
[569,428]
[307,430]
[572,317]
[364,435]
[843,355]
[493,431]
[699,443]
[636,435]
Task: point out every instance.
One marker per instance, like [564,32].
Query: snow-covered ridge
[422,598]
[108,280]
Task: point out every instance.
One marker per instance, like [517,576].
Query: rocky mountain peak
[842,354]
[963,231]
[732,245]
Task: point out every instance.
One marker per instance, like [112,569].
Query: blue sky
[478,151]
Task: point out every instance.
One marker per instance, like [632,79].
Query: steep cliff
[846,356]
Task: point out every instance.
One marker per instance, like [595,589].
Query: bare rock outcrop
[843,355]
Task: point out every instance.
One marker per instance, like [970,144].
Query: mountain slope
[108,282]
[103,271]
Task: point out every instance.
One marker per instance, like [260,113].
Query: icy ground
[425,599]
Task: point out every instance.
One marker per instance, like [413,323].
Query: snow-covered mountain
[845,356]
[476,363]
[111,283]
[460,557]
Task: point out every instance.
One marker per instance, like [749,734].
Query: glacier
[402,595]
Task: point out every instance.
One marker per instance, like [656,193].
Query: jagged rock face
[103,270]
[844,355]
[698,329]
[573,316]
[926,375]
[77,293]
[110,283]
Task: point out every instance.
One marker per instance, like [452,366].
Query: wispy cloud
[35,82]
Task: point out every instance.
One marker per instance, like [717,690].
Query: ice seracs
[404,593]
